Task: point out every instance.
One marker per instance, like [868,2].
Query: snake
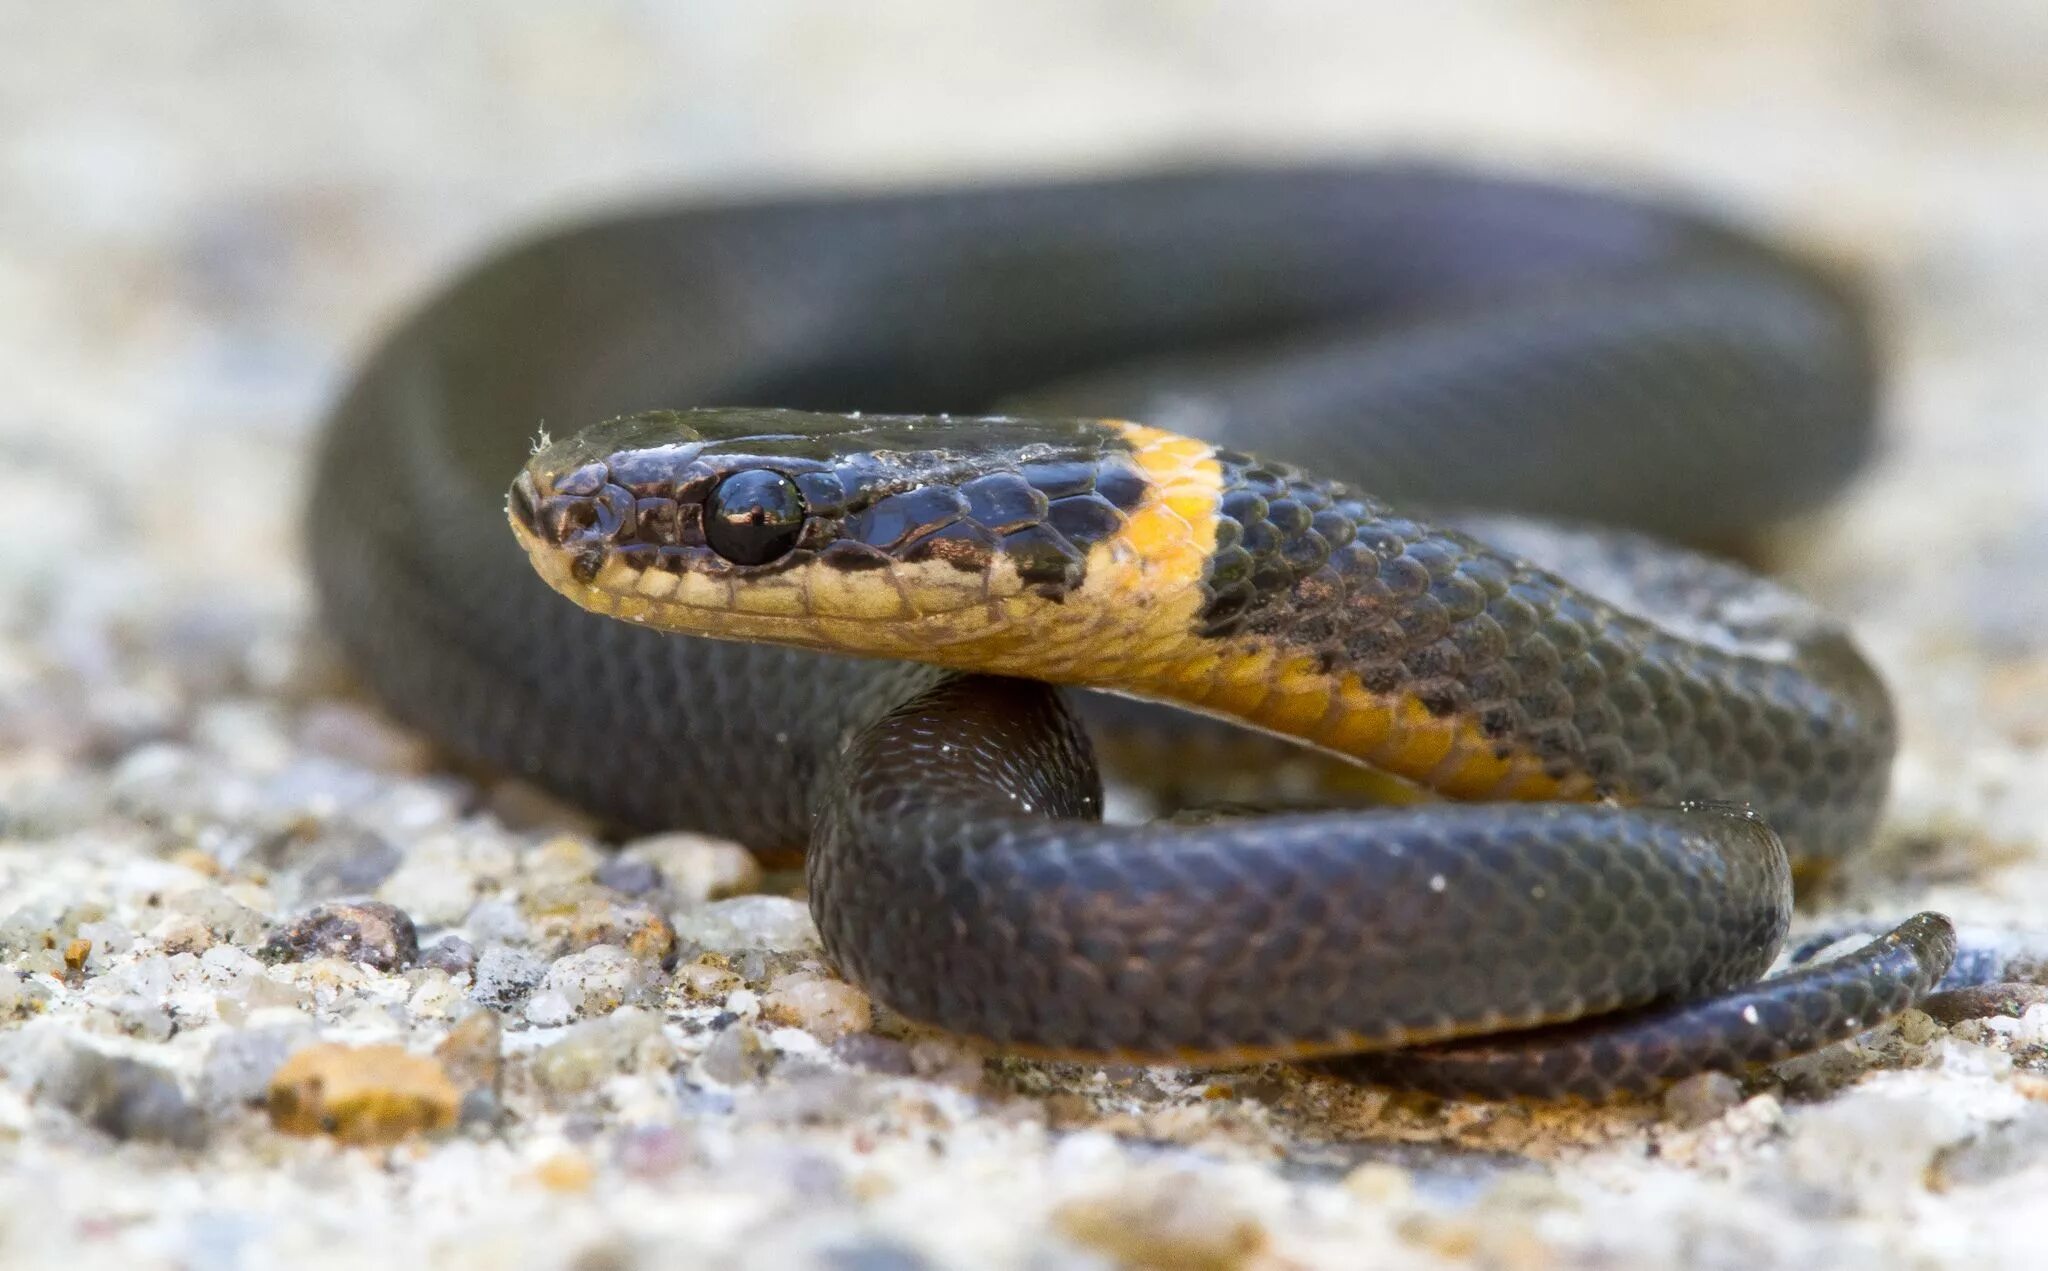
[852,525]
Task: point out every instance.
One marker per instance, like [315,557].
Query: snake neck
[1478,673]
[1320,615]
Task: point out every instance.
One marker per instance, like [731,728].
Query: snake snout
[576,509]
[523,504]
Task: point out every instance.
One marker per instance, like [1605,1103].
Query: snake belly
[1642,733]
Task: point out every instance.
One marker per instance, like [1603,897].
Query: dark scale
[1118,480]
[899,517]
[966,545]
[585,480]
[1047,562]
[853,557]
[824,493]
[1467,632]
[1084,518]
[657,521]
[648,474]
[1004,501]
[1059,478]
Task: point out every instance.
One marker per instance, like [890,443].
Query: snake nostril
[588,562]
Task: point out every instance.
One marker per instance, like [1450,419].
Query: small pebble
[949,1061]
[225,964]
[806,1092]
[480,1110]
[1165,1223]
[451,954]
[772,923]
[181,933]
[122,1097]
[444,873]
[496,922]
[244,983]
[642,930]
[108,940]
[435,995]
[1916,1028]
[599,979]
[141,1017]
[697,868]
[549,1008]
[821,1005]
[41,926]
[705,982]
[149,976]
[1983,1001]
[20,996]
[599,1049]
[563,860]
[1701,1098]
[566,1172]
[473,1052]
[240,1064]
[370,932]
[504,977]
[1380,1183]
[229,920]
[736,1057]
[884,1055]
[362,1095]
[338,861]
[629,875]
[41,962]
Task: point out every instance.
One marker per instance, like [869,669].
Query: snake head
[862,533]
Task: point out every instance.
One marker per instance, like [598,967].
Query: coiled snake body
[1636,736]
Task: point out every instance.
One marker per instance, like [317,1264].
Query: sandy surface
[207,212]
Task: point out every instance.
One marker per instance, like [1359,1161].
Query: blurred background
[209,211]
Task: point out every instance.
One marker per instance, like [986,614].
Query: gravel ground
[276,988]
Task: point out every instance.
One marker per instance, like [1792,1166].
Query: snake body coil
[1594,922]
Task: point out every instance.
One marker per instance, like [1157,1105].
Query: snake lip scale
[847,633]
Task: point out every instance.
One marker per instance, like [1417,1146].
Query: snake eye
[754,517]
